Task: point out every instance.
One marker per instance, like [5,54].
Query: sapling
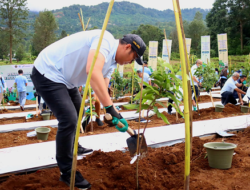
[166,85]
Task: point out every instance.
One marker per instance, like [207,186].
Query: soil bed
[28,102]
[4,111]
[13,120]
[9,139]
[163,168]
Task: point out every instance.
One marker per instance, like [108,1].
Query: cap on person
[137,44]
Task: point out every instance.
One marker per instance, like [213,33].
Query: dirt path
[163,168]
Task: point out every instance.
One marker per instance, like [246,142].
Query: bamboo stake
[82,18]
[184,57]
[211,98]
[87,24]
[132,93]
[230,67]
[74,161]
[138,139]
[81,21]
[91,107]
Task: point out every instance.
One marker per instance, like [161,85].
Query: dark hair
[123,42]
[243,76]
[145,62]
[226,66]
[216,69]
[20,71]
[138,71]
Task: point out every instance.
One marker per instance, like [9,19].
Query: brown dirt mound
[4,111]
[126,99]
[28,102]
[163,168]
[13,120]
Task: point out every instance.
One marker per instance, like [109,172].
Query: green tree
[217,22]
[13,13]
[63,34]
[4,45]
[239,15]
[150,33]
[20,53]
[45,27]
[195,30]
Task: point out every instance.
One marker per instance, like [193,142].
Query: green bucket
[244,109]
[219,108]
[220,154]
[46,116]
[42,133]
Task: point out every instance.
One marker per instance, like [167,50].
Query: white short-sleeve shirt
[146,78]
[193,70]
[229,85]
[65,61]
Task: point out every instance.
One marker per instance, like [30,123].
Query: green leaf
[149,97]
[158,102]
[131,106]
[164,118]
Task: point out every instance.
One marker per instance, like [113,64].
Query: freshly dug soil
[126,99]
[13,120]
[28,102]
[4,111]
[163,168]
[7,139]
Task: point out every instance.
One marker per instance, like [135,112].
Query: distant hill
[125,17]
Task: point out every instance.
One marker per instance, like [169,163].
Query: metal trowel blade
[132,145]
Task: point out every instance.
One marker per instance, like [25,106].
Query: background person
[241,85]
[21,82]
[146,77]
[228,89]
[223,76]
[198,63]
[64,66]
[146,69]
[3,87]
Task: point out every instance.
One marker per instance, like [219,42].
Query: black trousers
[196,92]
[222,82]
[227,97]
[65,104]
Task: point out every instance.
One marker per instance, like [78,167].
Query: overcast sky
[36,5]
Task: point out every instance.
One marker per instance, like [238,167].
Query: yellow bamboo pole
[87,24]
[91,107]
[82,18]
[74,162]
[81,21]
[132,92]
[184,58]
[230,66]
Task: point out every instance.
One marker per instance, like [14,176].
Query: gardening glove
[116,119]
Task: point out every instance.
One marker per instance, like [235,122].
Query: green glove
[115,121]
[244,82]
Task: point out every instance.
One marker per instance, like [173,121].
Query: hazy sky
[155,4]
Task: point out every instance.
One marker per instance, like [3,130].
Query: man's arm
[107,82]
[239,95]
[97,81]
[149,82]
[239,91]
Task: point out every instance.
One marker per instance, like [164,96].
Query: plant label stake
[132,140]
[211,98]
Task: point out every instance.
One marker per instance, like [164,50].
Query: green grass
[16,63]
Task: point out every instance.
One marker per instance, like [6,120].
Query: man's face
[139,74]
[127,55]
[236,77]
[243,79]
[199,64]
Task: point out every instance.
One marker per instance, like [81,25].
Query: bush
[20,53]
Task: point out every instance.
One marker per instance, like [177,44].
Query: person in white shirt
[146,77]
[196,82]
[228,89]
[3,87]
[64,66]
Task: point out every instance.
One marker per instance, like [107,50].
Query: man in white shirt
[228,89]
[146,77]
[196,82]
[62,67]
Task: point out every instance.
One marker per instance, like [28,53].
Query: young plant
[207,72]
[120,84]
[166,85]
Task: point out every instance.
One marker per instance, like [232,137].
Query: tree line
[28,34]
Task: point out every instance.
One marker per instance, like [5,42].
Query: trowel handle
[120,125]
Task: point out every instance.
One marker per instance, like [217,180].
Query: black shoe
[80,182]
[169,112]
[21,108]
[99,122]
[84,151]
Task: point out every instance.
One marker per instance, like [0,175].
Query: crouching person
[228,89]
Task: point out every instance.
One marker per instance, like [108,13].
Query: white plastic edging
[43,154]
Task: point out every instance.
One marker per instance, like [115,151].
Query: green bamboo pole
[74,161]
[184,58]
